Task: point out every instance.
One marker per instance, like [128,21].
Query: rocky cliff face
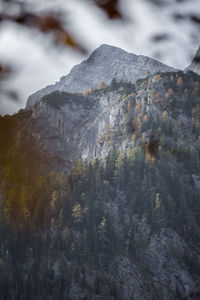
[104,64]
[70,126]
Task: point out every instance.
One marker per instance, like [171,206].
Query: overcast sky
[38,63]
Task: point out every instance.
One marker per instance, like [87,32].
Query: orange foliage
[157,77]
[101,85]
[169,92]
[179,81]
[138,105]
[85,92]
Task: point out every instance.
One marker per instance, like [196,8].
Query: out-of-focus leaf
[51,23]
[110,7]
[5,71]
[12,95]
[178,16]
[160,37]
[158,2]
[195,19]
[46,23]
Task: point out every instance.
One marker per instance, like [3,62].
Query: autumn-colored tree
[91,90]
[138,106]
[149,81]
[147,73]
[157,77]
[179,81]
[145,117]
[169,92]
[101,85]
[85,93]
[164,115]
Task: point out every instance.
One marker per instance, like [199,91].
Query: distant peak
[106,49]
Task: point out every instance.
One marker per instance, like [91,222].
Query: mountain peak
[105,63]
[107,53]
[106,49]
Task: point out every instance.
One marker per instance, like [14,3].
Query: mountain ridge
[105,63]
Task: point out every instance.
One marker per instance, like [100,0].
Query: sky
[38,62]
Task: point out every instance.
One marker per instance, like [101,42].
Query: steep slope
[195,65]
[69,126]
[104,64]
[124,223]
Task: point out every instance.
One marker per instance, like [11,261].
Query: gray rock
[70,126]
[104,64]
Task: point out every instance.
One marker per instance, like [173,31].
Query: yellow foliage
[133,136]
[123,96]
[165,115]
[149,157]
[138,105]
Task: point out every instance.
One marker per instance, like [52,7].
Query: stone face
[104,64]
[69,126]
[195,65]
